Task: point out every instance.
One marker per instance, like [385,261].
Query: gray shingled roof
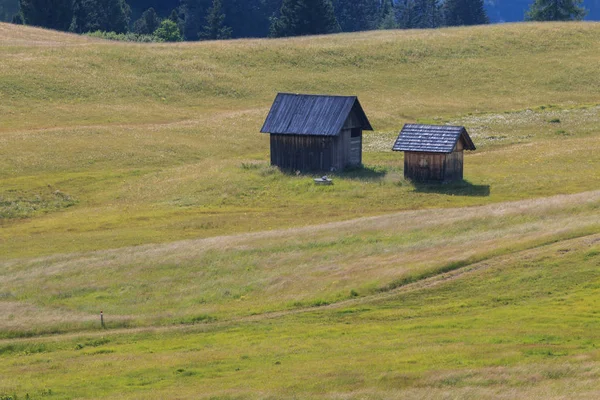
[432,138]
[304,114]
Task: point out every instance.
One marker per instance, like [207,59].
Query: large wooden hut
[316,132]
[433,153]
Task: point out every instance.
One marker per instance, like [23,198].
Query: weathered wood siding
[319,153]
[434,167]
[356,151]
[353,120]
[454,166]
[304,153]
[352,136]
[424,167]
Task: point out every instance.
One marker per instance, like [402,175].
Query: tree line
[173,20]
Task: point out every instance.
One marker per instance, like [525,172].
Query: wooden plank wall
[424,167]
[304,153]
[356,150]
[354,144]
[318,153]
[454,166]
[433,167]
[342,147]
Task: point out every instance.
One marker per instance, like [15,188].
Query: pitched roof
[432,138]
[304,114]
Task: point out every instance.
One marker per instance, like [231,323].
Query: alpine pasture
[134,180]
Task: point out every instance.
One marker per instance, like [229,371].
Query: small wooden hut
[433,153]
[316,132]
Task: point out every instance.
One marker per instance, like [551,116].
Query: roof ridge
[317,95]
[435,125]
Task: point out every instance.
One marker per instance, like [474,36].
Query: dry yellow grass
[516,325]
[31,36]
[464,293]
[150,139]
[232,276]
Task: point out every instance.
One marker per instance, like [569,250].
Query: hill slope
[521,323]
[112,144]
[371,288]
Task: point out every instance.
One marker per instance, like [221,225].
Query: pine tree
[193,13]
[426,14]
[556,10]
[148,22]
[174,16]
[305,17]
[356,15]
[405,17]
[8,8]
[215,28]
[53,14]
[162,7]
[465,12]
[17,19]
[100,15]
[387,18]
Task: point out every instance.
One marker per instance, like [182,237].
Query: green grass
[133,180]
[154,141]
[521,324]
[229,277]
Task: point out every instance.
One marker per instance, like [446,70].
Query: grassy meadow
[152,143]
[134,180]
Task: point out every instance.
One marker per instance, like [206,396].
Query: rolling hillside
[109,144]
[133,180]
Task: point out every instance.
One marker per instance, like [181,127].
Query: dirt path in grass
[560,247]
[417,219]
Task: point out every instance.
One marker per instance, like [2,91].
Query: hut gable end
[433,152]
[356,118]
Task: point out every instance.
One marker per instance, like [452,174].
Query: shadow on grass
[363,173]
[359,173]
[461,188]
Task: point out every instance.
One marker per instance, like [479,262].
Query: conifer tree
[148,22]
[388,15]
[174,16]
[53,14]
[465,12]
[193,15]
[305,17]
[215,28]
[356,15]
[556,10]
[8,8]
[426,14]
[162,7]
[17,19]
[100,15]
[405,14]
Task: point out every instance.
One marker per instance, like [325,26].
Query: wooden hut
[316,132]
[433,153]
